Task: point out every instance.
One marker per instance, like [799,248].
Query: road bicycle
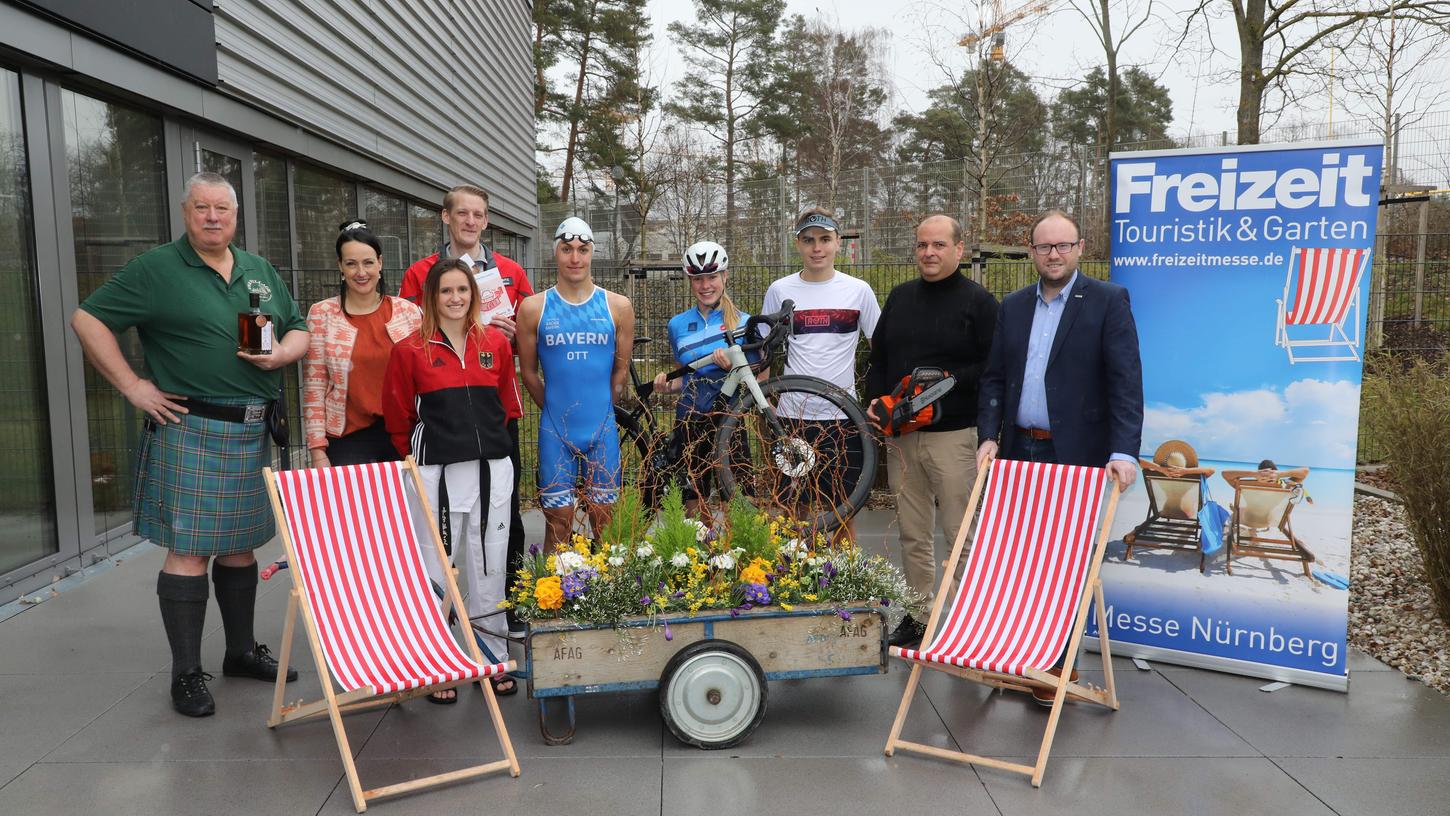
[789,463]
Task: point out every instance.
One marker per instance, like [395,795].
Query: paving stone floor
[86,728]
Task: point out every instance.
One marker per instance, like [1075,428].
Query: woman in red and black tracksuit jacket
[444,398]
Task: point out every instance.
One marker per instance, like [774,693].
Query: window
[274,222]
[387,217]
[117,173]
[324,201]
[27,478]
[427,230]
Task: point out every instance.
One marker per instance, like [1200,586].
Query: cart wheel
[550,738]
[712,694]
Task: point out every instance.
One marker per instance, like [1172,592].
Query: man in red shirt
[465,214]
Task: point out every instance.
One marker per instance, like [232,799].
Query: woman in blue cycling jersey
[696,333]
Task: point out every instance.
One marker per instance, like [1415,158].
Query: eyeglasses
[1062,248]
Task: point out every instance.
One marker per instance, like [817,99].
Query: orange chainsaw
[911,405]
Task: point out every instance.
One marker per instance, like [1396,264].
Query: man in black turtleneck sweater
[945,320]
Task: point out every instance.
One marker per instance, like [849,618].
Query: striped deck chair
[371,617]
[1325,286]
[1024,595]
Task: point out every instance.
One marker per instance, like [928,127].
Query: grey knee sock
[183,613]
[236,595]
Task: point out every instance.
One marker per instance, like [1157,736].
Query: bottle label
[267,338]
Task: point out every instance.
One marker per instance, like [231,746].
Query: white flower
[723,561]
[644,550]
[656,562]
[702,534]
[616,561]
[816,561]
[795,548]
[568,561]
[680,560]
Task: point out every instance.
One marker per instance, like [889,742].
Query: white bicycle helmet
[705,258]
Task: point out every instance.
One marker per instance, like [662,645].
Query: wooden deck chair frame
[334,703]
[1162,531]
[1337,338]
[1247,540]
[1032,678]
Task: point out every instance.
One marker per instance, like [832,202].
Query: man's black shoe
[189,694]
[257,663]
[907,633]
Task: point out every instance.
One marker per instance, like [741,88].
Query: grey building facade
[316,111]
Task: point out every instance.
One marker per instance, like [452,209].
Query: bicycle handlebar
[779,323]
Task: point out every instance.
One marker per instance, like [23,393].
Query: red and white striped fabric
[1326,284]
[359,563]
[1026,572]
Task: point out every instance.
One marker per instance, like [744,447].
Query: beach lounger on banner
[1325,288]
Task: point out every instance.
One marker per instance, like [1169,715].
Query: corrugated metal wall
[442,90]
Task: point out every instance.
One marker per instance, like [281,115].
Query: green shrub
[1408,411]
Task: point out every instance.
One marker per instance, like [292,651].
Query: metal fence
[1409,309]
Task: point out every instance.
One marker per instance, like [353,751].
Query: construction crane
[996,30]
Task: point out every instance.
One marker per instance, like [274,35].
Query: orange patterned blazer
[329,358]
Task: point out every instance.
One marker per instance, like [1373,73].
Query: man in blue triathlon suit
[578,337]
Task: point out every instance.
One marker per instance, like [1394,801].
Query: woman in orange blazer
[352,336]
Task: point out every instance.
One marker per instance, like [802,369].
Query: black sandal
[435,699]
[502,679]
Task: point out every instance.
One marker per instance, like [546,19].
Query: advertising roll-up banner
[1249,273]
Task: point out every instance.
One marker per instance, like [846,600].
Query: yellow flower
[505,605]
[553,563]
[811,597]
[549,593]
[787,607]
[752,575]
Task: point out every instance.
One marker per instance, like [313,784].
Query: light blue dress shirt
[1032,409]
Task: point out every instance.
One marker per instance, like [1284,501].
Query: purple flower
[735,612]
[885,601]
[757,594]
[646,601]
[823,582]
[662,586]
[535,549]
[845,614]
[668,634]
[677,595]
[575,583]
[829,569]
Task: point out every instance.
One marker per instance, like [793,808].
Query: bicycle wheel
[820,470]
[639,458]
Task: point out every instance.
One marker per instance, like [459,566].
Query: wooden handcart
[710,668]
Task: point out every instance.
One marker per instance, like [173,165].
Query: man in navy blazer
[1064,382]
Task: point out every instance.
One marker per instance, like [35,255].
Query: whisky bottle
[254,329]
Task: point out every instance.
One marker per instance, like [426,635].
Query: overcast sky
[1056,48]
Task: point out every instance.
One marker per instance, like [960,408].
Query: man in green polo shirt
[199,490]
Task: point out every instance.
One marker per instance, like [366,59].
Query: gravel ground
[1391,613]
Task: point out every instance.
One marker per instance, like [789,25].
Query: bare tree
[1398,71]
[1281,41]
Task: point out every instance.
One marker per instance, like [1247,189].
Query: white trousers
[480,534]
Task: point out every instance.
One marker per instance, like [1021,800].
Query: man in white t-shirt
[833,311]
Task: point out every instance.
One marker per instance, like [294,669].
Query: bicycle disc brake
[794,457]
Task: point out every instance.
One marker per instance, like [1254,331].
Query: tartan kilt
[199,487]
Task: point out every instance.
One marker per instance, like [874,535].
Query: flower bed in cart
[704,612]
